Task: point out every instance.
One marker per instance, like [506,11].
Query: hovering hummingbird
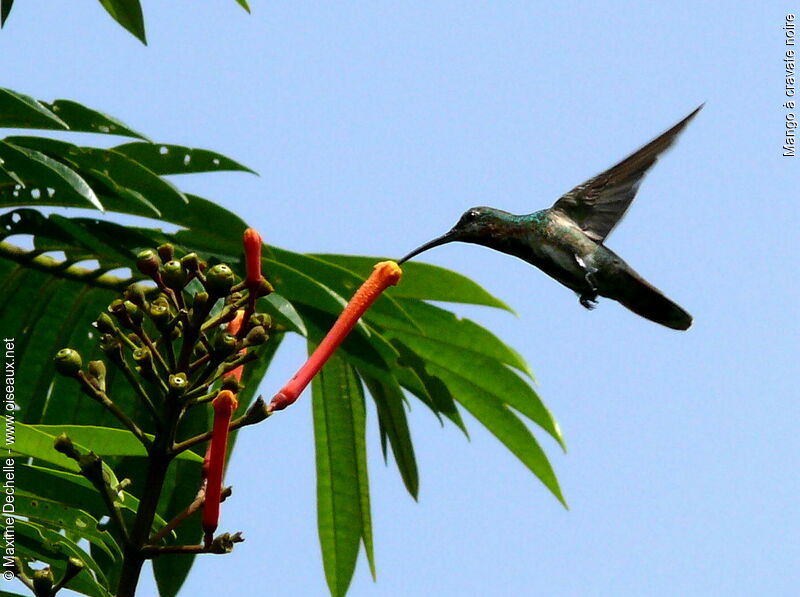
[566,240]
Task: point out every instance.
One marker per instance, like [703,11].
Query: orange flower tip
[388,272]
[252,239]
[225,402]
[252,256]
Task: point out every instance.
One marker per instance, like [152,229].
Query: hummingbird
[567,241]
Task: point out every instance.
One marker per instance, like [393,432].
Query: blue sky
[373,126]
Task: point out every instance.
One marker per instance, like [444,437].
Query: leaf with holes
[66,517]
[176,159]
[43,177]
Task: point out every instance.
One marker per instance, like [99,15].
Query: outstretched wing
[598,204]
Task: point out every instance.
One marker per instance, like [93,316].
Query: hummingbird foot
[590,279]
[588,301]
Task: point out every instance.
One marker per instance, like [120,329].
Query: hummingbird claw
[588,301]
[589,277]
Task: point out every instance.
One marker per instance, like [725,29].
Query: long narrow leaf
[127,13]
[18,110]
[343,512]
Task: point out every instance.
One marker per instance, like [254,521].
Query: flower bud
[166,252]
[219,280]
[256,336]
[148,263]
[105,324]
[68,362]
[134,313]
[225,345]
[97,374]
[159,314]
[231,384]
[191,263]
[262,319]
[135,293]
[63,444]
[178,383]
[173,275]
[43,581]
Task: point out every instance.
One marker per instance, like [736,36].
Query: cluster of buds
[180,343]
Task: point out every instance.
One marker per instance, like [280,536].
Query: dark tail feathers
[644,299]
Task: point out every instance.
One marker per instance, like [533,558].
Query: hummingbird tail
[644,299]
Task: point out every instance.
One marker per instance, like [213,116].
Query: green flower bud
[263,289]
[143,357]
[173,275]
[97,374]
[134,313]
[43,582]
[63,444]
[148,263]
[68,362]
[160,314]
[178,383]
[256,336]
[225,345]
[120,312]
[109,344]
[166,252]
[135,293]
[230,383]
[105,324]
[233,297]
[262,319]
[191,263]
[219,280]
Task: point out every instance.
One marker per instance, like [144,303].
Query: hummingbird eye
[470,215]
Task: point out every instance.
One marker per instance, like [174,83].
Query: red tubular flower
[224,406]
[385,274]
[252,258]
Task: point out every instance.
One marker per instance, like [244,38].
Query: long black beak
[444,239]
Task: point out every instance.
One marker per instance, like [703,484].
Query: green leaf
[72,489]
[424,281]
[283,312]
[22,111]
[339,279]
[343,513]
[393,424]
[63,516]
[105,441]
[243,4]
[50,546]
[428,388]
[127,13]
[176,159]
[464,333]
[5,9]
[79,118]
[44,177]
[486,393]
[92,161]
[486,375]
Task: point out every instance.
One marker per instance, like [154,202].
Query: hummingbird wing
[598,204]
